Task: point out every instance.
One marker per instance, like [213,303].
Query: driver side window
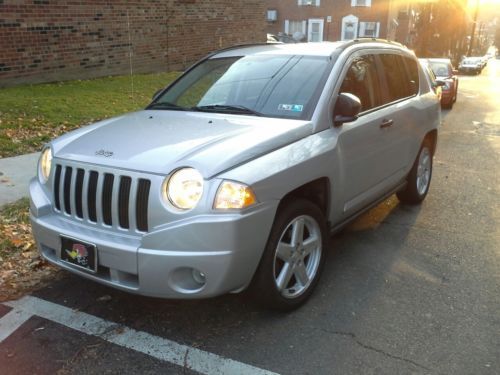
[362,80]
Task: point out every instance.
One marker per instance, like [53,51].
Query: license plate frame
[79,254]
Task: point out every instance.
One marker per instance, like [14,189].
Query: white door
[315,30]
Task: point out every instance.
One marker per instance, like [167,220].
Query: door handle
[386,123]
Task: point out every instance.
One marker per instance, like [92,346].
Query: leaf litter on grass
[22,268]
[32,115]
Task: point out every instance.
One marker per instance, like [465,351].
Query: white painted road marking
[143,342]
[12,321]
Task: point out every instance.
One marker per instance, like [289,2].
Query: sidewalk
[15,175]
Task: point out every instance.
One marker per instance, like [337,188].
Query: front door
[368,145]
[315,30]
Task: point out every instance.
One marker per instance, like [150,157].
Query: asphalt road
[406,290]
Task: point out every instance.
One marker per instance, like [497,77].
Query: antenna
[130,58]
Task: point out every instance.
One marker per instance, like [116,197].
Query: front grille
[107,198]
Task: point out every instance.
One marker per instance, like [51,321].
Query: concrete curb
[15,175]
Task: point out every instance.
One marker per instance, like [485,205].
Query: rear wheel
[448,105]
[419,178]
[294,257]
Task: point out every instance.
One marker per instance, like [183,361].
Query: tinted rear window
[397,77]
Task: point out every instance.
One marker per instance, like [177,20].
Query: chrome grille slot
[67,189]
[107,195]
[57,189]
[142,204]
[91,196]
[80,173]
[101,197]
[123,199]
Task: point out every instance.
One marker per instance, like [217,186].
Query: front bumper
[226,248]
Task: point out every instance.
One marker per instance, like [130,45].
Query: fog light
[199,277]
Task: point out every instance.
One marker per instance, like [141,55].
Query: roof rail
[236,47]
[371,40]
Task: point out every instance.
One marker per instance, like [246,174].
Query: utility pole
[469,52]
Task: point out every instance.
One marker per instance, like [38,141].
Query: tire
[448,105]
[419,178]
[289,269]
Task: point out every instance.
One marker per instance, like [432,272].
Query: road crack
[372,348]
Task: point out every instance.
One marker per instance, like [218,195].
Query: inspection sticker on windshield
[291,107]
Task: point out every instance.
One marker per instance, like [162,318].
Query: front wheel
[294,257]
[419,178]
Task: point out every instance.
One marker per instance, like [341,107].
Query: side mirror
[346,109]
[155,95]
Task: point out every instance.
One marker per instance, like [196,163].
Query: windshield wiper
[227,108]
[166,105]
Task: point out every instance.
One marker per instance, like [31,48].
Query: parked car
[484,61]
[271,38]
[471,65]
[431,78]
[445,73]
[236,174]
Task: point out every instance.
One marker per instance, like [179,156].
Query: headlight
[44,164]
[233,195]
[184,188]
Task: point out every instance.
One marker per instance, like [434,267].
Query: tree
[441,28]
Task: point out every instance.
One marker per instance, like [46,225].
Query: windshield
[440,69]
[472,61]
[269,85]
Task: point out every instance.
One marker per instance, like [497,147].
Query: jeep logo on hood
[104,153]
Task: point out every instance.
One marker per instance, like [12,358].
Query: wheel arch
[316,191]
[432,136]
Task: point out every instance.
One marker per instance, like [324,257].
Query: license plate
[79,254]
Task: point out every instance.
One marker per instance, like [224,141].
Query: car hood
[160,141]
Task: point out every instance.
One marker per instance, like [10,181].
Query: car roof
[313,49]
[440,60]
[306,49]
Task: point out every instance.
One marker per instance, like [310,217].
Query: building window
[349,27]
[272,15]
[294,28]
[314,3]
[369,29]
[361,3]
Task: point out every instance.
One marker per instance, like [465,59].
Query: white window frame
[350,19]
[354,3]
[310,2]
[362,29]
[321,22]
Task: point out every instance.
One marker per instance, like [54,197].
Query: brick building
[321,20]
[48,40]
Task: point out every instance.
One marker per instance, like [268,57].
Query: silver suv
[236,174]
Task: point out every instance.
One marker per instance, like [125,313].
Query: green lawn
[33,114]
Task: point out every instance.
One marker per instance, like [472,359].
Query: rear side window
[412,69]
[398,79]
[362,80]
